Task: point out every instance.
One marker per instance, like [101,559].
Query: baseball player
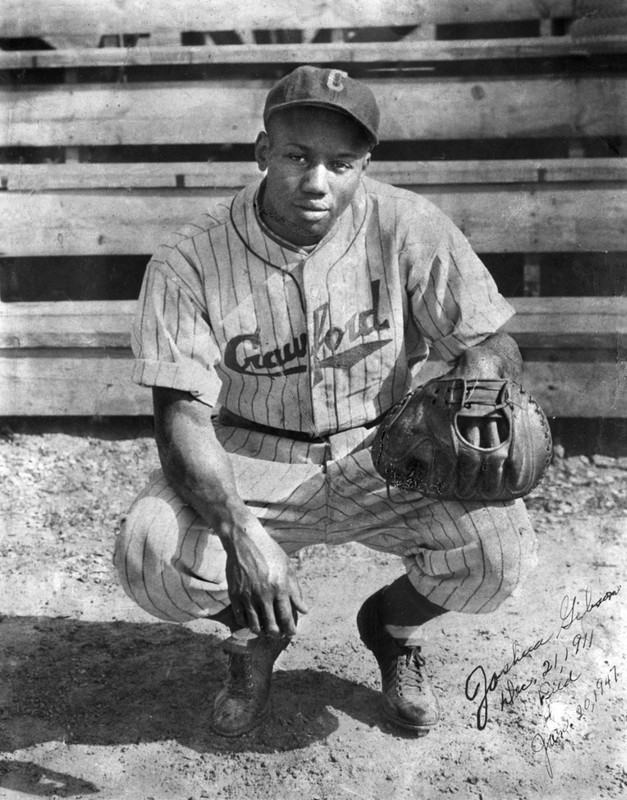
[275,331]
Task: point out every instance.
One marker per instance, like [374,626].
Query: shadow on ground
[32,779]
[120,683]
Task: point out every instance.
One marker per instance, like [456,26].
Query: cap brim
[320,104]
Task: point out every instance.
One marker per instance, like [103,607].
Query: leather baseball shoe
[244,700]
[406,695]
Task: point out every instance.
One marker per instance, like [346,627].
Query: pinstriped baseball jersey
[316,339]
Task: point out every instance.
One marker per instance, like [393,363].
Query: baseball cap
[328,88]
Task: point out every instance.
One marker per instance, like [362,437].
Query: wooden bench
[518,96]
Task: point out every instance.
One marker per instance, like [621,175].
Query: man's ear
[262,146]
[364,166]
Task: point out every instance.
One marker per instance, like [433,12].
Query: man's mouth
[311,210]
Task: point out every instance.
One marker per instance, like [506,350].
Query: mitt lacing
[467,396]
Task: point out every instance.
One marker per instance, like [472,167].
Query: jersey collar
[269,249]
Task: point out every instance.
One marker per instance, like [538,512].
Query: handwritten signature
[479,687]
[482,687]
[540,744]
[568,613]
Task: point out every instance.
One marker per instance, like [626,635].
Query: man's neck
[273,226]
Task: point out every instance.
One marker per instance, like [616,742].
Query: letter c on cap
[334,81]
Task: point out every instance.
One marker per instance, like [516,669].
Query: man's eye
[297,158]
[340,166]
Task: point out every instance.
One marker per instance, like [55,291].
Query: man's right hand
[263,588]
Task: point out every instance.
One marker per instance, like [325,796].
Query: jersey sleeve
[171,337]
[454,300]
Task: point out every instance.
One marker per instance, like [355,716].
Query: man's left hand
[497,356]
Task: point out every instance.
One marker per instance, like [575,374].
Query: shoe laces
[240,681]
[409,670]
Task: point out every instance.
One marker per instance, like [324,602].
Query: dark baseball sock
[226,617]
[401,605]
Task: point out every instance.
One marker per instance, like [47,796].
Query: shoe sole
[419,730]
[236,734]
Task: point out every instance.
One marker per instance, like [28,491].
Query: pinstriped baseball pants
[466,557]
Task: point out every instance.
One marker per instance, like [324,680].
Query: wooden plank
[573,323]
[608,16]
[86,385]
[399,54]
[599,355]
[545,171]
[75,384]
[95,18]
[166,175]
[579,389]
[87,324]
[234,175]
[543,218]
[231,111]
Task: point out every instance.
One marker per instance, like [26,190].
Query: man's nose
[315,180]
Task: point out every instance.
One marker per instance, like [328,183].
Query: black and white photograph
[313,399]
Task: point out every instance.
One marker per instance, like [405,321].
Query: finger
[491,434]
[269,622]
[252,618]
[296,596]
[471,432]
[285,617]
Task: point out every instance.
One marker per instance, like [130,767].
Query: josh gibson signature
[542,744]
[572,609]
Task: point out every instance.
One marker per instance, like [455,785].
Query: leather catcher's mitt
[421,443]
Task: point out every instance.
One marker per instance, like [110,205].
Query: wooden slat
[544,218]
[545,171]
[579,389]
[396,55]
[44,177]
[95,18]
[570,323]
[231,111]
[86,385]
[86,324]
[75,384]
[234,175]
[540,323]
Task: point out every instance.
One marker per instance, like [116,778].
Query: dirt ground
[99,700]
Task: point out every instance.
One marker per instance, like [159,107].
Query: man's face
[315,159]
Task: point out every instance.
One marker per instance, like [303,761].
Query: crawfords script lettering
[332,345]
